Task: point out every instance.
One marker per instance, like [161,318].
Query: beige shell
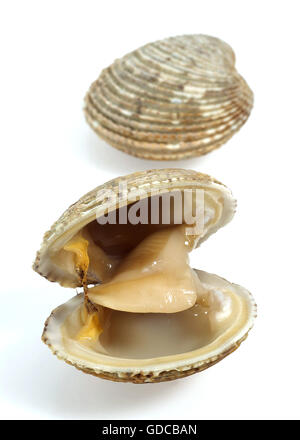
[153,370]
[171,99]
[85,211]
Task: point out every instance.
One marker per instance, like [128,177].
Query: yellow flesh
[79,245]
[88,258]
[91,328]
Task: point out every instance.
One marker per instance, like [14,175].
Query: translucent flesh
[144,270]
[217,315]
[154,278]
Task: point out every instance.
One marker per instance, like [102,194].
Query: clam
[144,315]
[171,99]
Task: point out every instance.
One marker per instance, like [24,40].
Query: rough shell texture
[171,99]
[85,209]
[156,373]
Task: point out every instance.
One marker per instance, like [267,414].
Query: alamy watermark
[153,206]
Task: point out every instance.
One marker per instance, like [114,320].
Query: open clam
[171,99]
[144,315]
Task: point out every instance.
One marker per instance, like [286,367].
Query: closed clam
[171,99]
[144,315]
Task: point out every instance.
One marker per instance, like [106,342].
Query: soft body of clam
[170,99]
[151,347]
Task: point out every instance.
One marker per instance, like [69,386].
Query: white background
[50,53]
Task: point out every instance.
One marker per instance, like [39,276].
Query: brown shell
[171,99]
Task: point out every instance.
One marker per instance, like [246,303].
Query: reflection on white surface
[48,388]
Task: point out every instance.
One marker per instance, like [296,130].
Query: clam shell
[86,208]
[171,99]
[157,369]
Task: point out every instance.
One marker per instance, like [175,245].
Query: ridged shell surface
[171,99]
[85,209]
